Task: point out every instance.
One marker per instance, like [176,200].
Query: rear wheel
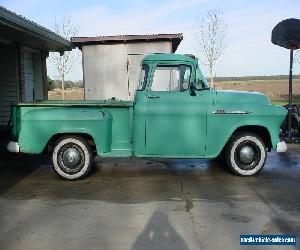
[72,158]
[246,154]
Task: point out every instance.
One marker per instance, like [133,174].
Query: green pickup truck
[174,115]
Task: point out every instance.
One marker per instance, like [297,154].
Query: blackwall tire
[220,160]
[246,154]
[72,158]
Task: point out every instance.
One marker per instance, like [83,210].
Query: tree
[51,84]
[64,62]
[211,33]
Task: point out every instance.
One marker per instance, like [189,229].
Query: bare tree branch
[211,32]
[64,63]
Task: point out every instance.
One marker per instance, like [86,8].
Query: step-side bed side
[109,123]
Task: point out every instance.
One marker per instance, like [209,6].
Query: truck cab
[174,115]
[172,101]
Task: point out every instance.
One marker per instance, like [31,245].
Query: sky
[249,50]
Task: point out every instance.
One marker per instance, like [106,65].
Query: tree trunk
[211,76]
[63,86]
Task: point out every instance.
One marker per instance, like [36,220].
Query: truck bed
[121,113]
[58,103]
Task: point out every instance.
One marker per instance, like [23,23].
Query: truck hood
[240,97]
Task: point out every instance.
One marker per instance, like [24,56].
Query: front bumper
[13,147]
[281,147]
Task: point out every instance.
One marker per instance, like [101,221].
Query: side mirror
[193,89]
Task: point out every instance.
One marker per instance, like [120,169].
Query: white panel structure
[134,67]
[8,81]
[148,48]
[113,70]
[105,72]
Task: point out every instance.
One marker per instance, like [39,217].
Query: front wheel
[72,158]
[246,154]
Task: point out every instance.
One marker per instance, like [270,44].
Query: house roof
[174,38]
[17,29]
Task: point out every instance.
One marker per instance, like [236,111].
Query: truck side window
[171,78]
[143,77]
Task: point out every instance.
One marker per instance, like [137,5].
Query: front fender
[222,126]
[38,126]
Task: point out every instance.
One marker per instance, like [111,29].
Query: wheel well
[262,132]
[89,139]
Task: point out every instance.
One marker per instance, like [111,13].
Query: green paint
[174,124]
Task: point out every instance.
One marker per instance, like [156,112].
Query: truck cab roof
[171,57]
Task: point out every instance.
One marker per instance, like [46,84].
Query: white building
[111,64]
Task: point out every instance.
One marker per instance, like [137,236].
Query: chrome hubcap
[71,158]
[246,155]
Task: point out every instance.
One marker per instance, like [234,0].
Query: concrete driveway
[146,204]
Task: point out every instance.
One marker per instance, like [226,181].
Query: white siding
[148,48]
[28,75]
[105,70]
[38,77]
[134,67]
[113,70]
[8,81]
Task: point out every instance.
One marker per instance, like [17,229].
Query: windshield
[143,77]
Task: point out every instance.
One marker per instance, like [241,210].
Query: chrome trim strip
[235,112]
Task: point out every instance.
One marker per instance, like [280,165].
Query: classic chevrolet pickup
[174,115]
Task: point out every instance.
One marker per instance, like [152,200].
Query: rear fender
[40,125]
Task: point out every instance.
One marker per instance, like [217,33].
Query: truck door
[175,120]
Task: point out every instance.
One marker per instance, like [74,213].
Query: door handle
[153,96]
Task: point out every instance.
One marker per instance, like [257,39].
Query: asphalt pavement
[138,204]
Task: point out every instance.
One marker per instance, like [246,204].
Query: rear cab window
[143,77]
